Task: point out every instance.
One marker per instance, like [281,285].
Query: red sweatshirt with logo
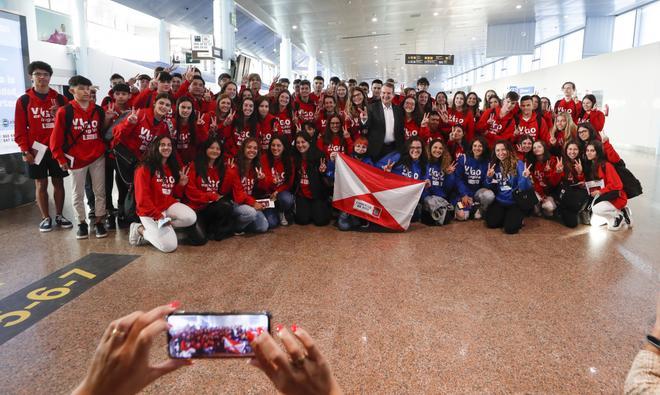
[494,127]
[200,192]
[155,193]
[570,106]
[136,137]
[84,135]
[545,176]
[531,127]
[39,123]
[465,119]
[277,173]
[595,117]
[411,128]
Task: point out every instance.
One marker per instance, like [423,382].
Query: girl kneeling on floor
[311,193]
[213,191]
[437,210]
[158,184]
[508,176]
[475,196]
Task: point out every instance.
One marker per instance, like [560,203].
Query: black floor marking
[26,307]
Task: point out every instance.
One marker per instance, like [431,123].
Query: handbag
[126,163]
[526,199]
[573,198]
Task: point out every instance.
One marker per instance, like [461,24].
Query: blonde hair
[570,132]
[510,164]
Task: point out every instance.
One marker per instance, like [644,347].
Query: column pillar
[224,35]
[163,42]
[79,18]
[311,68]
[285,59]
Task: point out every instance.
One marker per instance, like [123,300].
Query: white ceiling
[345,33]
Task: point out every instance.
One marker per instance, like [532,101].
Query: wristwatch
[654,341]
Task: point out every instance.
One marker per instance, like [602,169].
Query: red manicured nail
[260,331]
[294,328]
[250,336]
[175,304]
[279,327]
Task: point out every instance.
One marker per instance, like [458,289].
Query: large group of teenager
[236,161]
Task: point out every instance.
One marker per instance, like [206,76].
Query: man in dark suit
[385,125]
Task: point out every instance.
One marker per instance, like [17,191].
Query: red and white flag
[233,346]
[383,198]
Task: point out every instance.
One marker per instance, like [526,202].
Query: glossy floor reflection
[459,309]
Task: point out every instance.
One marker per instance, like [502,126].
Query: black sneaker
[83,231]
[627,216]
[110,223]
[101,232]
[617,224]
[46,225]
[62,222]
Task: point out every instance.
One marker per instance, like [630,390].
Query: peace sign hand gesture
[323,167]
[190,73]
[527,172]
[260,173]
[518,131]
[553,139]
[133,117]
[364,116]
[491,170]
[578,166]
[200,119]
[230,163]
[425,120]
[183,176]
[451,168]
[347,135]
[110,114]
[214,124]
[230,117]
[560,165]
[388,167]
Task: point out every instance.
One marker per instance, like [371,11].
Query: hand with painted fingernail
[120,364]
[299,369]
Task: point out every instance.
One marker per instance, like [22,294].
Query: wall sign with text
[432,60]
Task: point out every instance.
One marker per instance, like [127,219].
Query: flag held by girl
[380,197]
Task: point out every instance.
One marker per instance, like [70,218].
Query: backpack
[631,184]
[68,120]
[25,100]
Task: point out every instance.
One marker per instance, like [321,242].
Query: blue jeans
[347,221]
[249,220]
[283,203]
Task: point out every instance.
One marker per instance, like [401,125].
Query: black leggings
[508,217]
[312,210]
[568,217]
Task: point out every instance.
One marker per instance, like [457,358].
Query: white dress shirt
[389,123]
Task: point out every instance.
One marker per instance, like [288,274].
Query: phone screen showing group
[214,335]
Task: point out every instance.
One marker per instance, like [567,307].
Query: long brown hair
[153,160]
[255,163]
[509,164]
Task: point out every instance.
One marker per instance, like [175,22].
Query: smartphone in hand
[214,335]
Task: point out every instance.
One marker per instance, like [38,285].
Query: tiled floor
[459,309]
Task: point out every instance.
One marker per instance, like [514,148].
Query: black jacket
[376,129]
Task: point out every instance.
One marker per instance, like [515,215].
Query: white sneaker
[477,214]
[283,220]
[134,236]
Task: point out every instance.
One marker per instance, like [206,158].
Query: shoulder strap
[61,100]
[25,100]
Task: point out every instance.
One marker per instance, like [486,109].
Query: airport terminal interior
[443,197]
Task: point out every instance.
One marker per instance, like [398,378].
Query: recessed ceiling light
[374,19]
[294,27]
[474,38]
[375,46]
[320,51]
[518,6]
[435,14]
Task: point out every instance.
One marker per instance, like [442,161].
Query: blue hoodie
[441,184]
[330,172]
[415,173]
[505,184]
[470,175]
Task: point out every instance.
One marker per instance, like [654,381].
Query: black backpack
[631,184]
[68,120]
[25,100]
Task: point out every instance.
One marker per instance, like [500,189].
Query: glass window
[42,3]
[573,46]
[624,31]
[60,6]
[512,65]
[649,31]
[499,65]
[526,63]
[550,54]
[536,62]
